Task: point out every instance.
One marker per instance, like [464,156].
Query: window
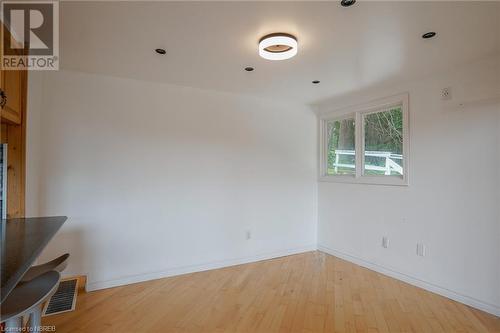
[383,142]
[366,144]
[341,157]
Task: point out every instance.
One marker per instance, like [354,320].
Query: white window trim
[358,112]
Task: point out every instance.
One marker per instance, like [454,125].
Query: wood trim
[12,85]
[16,169]
[14,134]
[3,133]
[81,281]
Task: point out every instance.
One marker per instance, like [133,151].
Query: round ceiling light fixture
[278,46]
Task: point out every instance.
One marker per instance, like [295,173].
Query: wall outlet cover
[385,242]
[421,250]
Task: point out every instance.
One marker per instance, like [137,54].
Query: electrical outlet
[385,242]
[248,234]
[420,249]
[446,94]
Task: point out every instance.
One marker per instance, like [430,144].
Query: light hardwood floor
[309,292]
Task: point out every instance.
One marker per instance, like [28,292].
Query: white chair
[27,298]
[58,264]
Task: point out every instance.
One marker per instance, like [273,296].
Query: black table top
[22,241]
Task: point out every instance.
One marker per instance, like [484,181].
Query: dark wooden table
[22,241]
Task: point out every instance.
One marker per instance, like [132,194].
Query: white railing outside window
[390,164]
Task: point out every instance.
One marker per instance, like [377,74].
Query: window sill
[367,180]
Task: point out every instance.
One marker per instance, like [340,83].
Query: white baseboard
[96,285]
[467,300]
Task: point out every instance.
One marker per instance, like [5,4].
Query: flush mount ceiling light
[278,46]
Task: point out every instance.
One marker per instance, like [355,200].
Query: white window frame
[358,112]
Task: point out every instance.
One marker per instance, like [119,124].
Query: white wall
[159,180]
[452,203]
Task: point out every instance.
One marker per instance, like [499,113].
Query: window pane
[384,142]
[341,159]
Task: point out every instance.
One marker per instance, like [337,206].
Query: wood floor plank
[309,292]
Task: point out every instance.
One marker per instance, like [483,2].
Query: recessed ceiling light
[428,35]
[161,51]
[278,46]
[347,3]
[249,69]
[316,81]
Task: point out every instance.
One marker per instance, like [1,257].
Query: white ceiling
[209,43]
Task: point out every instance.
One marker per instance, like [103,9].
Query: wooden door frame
[15,137]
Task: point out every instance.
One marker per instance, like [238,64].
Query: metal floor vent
[64,299]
